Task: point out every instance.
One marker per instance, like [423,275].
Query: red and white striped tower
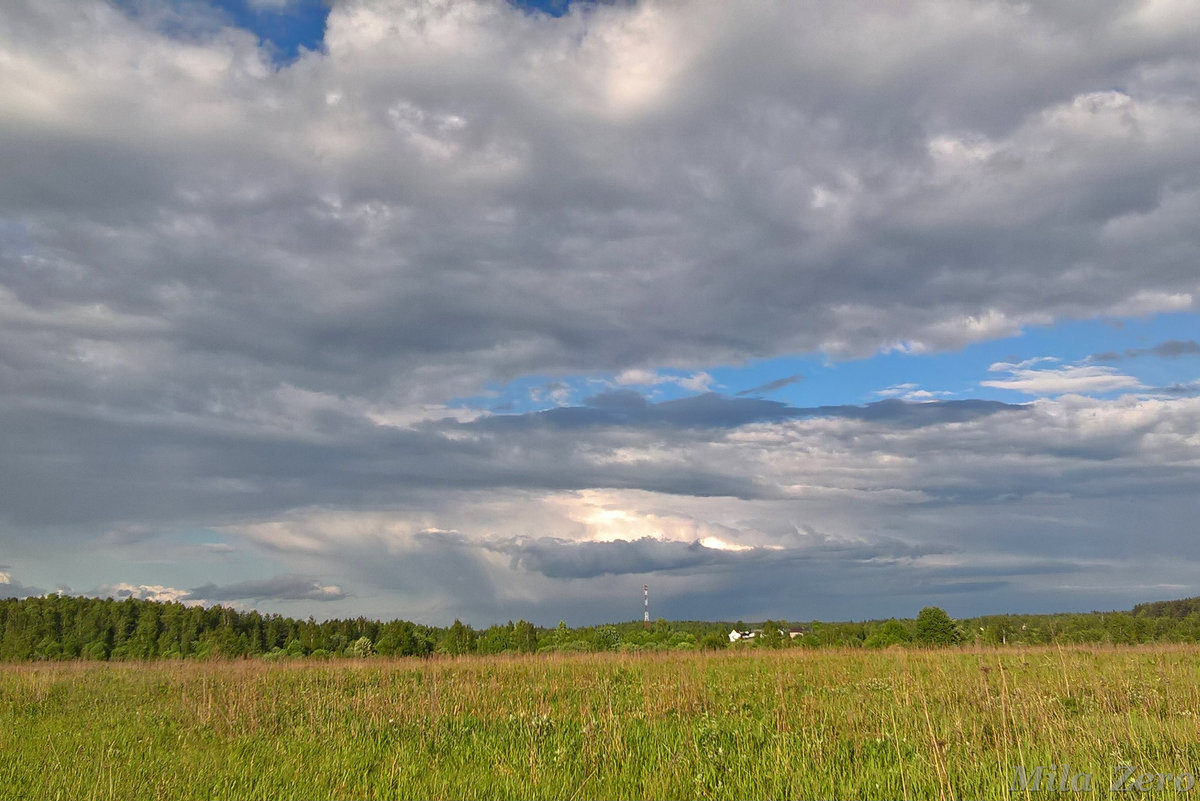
[646,615]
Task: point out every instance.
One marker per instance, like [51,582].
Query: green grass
[756,724]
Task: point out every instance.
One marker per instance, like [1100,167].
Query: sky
[488,310]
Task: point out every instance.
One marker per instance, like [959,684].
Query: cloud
[696,382]
[1027,363]
[1175,347]
[279,588]
[567,559]
[11,588]
[911,392]
[771,386]
[484,194]
[1172,348]
[1181,388]
[242,295]
[1036,475]
[145,592]
[1062,380]
[712,410]
[638,377]
[558,558]
[557,392]
[504,203]
[896,389]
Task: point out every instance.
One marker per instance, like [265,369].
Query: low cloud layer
[279,588]
[988,507]
[712,410]
[11,588]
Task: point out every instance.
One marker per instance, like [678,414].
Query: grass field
[754,724]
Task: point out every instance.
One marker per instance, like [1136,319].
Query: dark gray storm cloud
[560,558]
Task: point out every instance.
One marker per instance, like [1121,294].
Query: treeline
[1165,621]
[76,627]
[73,627]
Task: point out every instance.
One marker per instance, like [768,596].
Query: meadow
[796,723]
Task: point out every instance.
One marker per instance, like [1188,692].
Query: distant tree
[890,633]
[397,638]
[144,642]
[682,641]
[525,637]
[362,648]
[934,627]
[605,638]
[459,639]
[772,635]
[496,640]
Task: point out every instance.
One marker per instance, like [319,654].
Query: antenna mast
[646,615]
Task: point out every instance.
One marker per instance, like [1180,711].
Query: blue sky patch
[1136,344]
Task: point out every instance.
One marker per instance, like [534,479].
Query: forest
[63,627]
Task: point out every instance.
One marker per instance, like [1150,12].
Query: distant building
[738,636]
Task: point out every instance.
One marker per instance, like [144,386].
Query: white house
[738,636]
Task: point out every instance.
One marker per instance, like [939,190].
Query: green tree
[525,637]
[772,635]
[892,632]
[496,640]
[397,638]
[144,642]
[606,638]
[459,639]
[934,627]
